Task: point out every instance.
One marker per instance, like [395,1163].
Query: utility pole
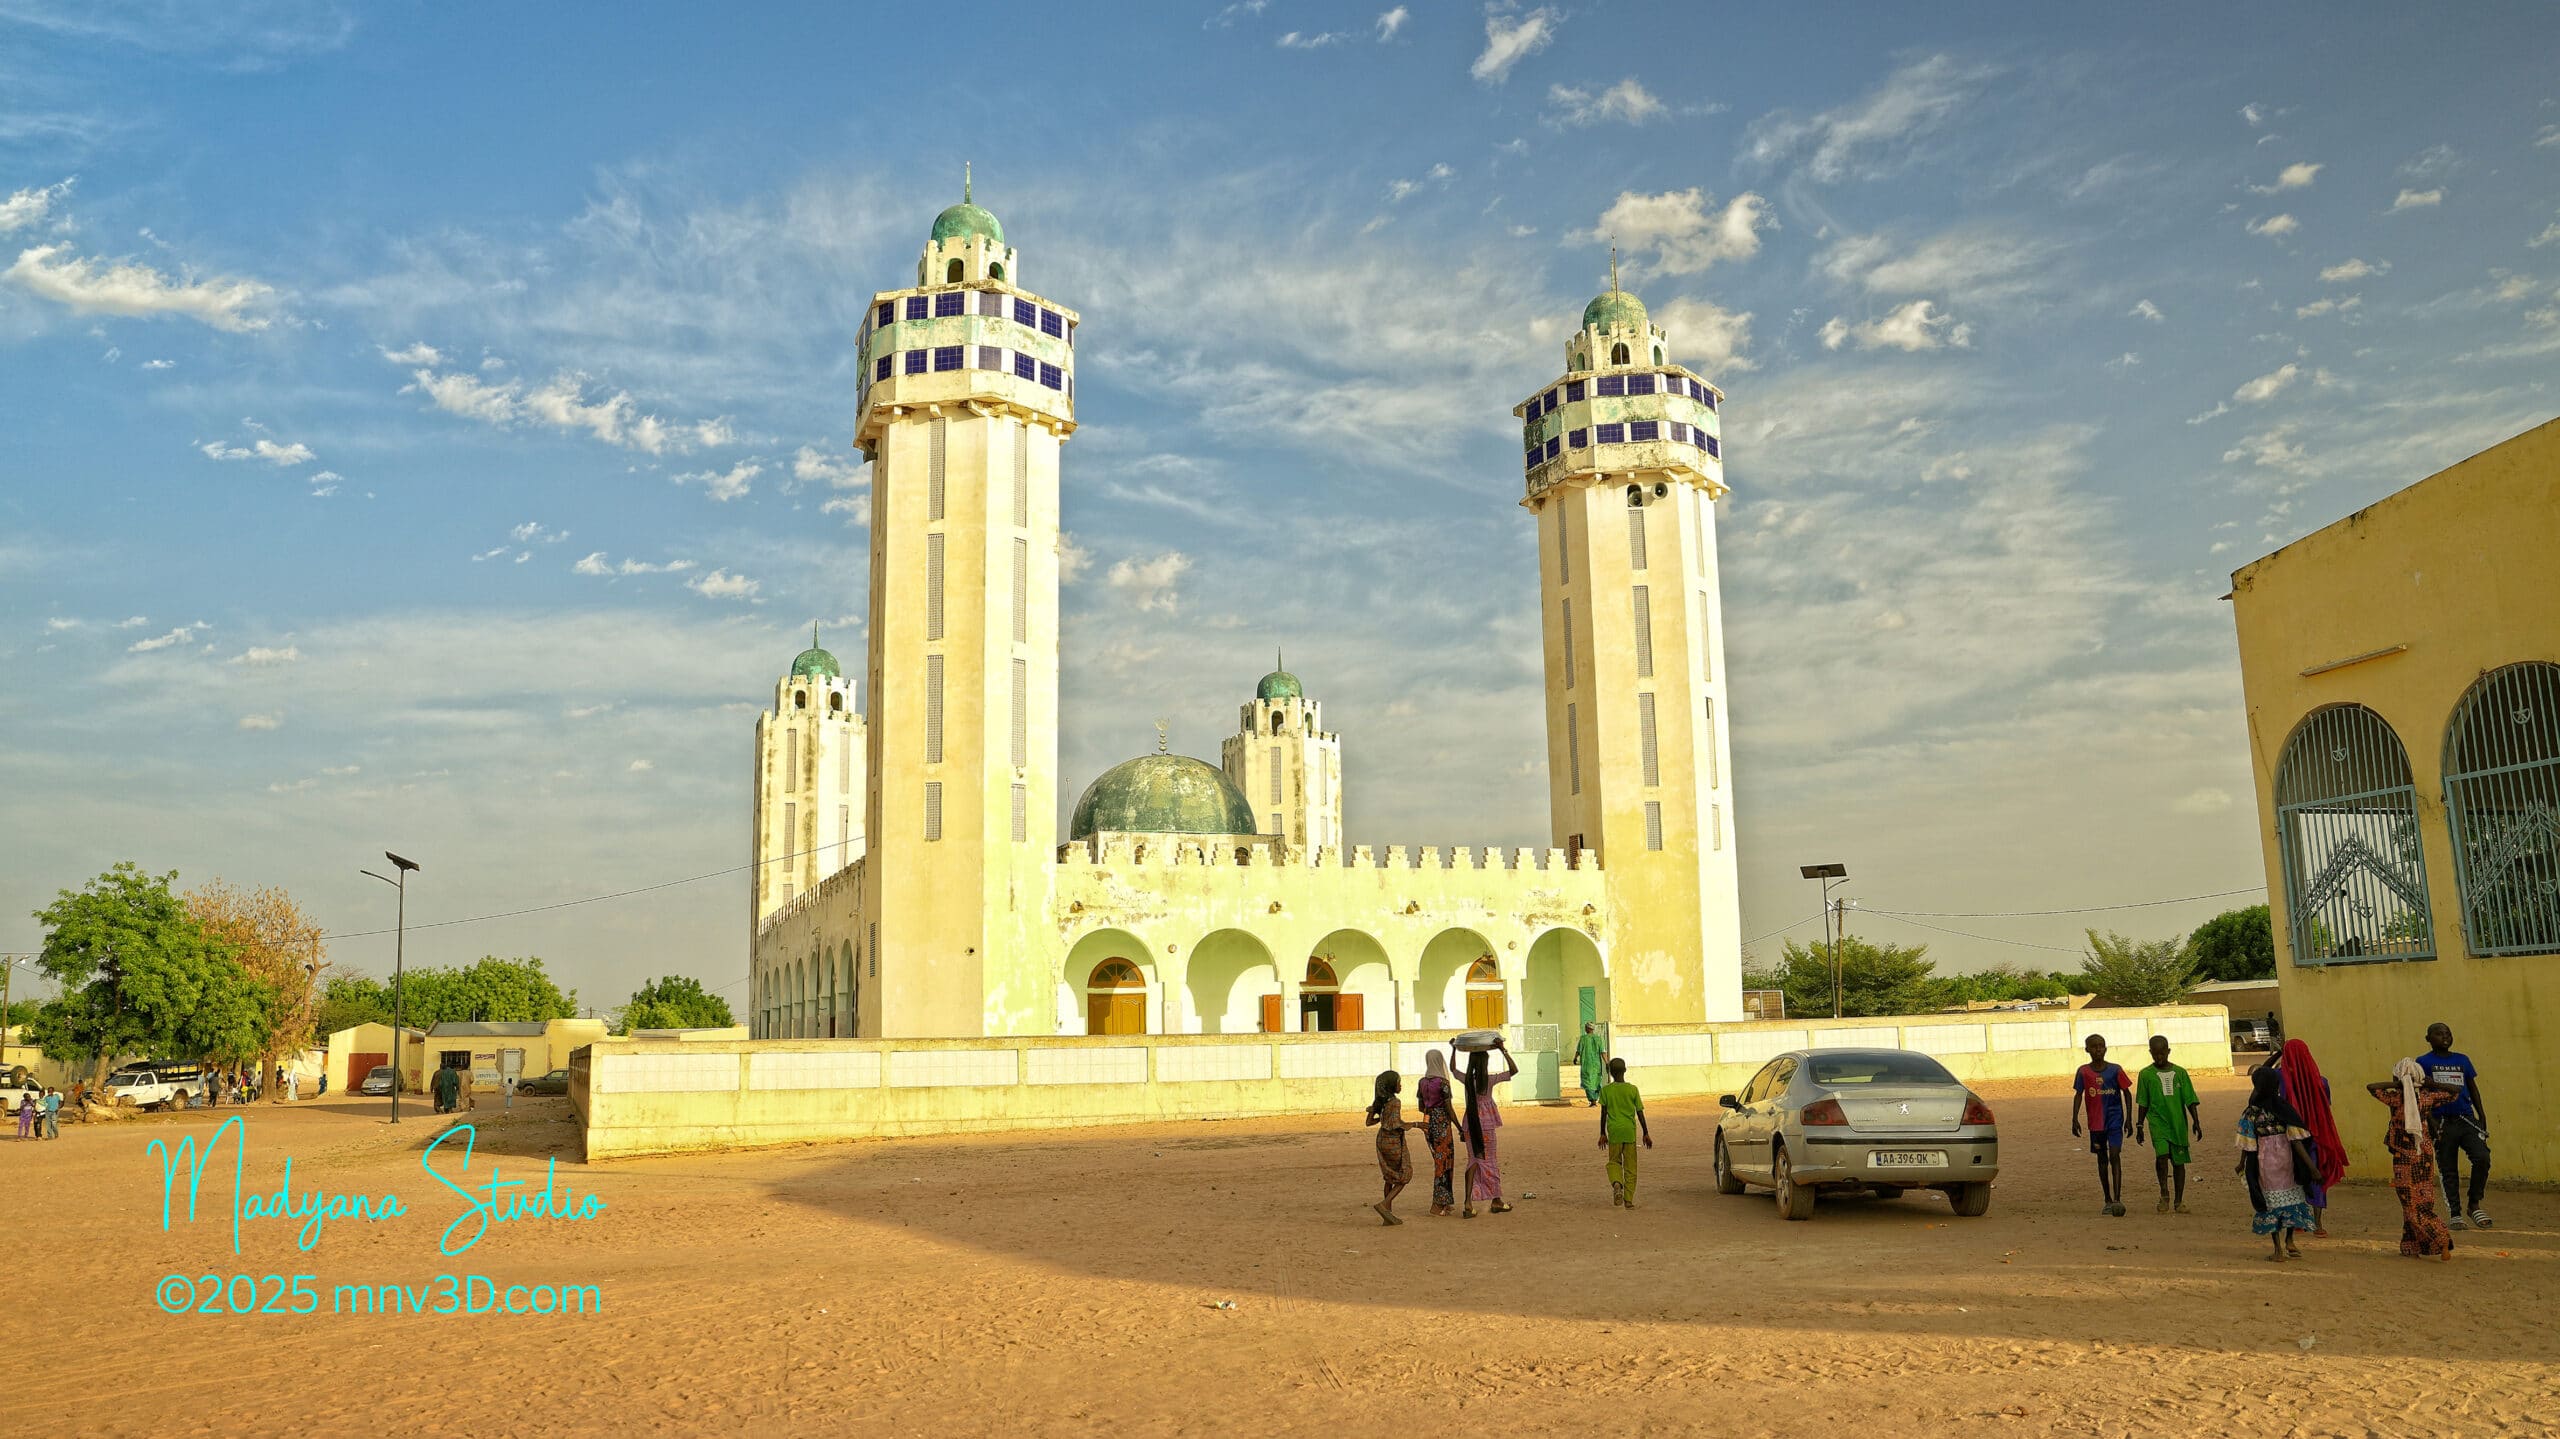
[399,946]
[1829,874]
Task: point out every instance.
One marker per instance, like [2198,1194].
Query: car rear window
[1884,1068]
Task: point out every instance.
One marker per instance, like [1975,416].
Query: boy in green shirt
[2164,1101]
[1621,1122]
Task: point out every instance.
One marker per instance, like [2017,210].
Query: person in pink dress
[1484,1117]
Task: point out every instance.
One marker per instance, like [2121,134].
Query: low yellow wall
[658,1096]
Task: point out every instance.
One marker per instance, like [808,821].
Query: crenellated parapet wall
[1259,852]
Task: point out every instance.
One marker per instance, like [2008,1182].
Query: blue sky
[428,429]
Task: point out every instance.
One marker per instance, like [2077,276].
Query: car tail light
[1977,1112]
[1824,1111]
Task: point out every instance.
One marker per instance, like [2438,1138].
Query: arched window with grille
[2347,822]
[2502,802]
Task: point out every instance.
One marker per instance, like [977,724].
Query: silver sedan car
[1881,1120]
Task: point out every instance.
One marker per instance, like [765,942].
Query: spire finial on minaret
[1613,267]
[1279,661]
[1160,738]
[965,186]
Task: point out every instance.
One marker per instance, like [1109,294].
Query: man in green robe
[448,1084]
[1589,1055]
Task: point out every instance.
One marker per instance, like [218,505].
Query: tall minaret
[1285,765]
[968,394]
[1624,468]
[808,782]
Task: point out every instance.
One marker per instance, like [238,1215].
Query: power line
[1773,934]
[1963,934]
[2085,909]
[574,903]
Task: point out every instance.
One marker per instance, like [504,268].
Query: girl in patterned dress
[1394,1165]
[2411,1140]
[2273,1157]
[1440,1126]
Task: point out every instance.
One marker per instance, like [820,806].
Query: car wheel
[1725,1182]
[1795,1201]
[1971,1200]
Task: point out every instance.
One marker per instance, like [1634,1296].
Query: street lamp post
[1829,874]
[399,943]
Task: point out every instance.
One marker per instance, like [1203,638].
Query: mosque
[909,880]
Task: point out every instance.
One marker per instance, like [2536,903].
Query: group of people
[1466,1110]
[39,1113]
[2290,1150]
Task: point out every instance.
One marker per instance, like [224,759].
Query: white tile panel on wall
[1659,1051]
[1334,1061]
[803,1070]
[2031,1034]
[1120,1064]
[2124,1032]
[1411,1064]
[1943,1038]
[1176,1063]
[667,1073]
[1750,1046]
[932,1068]
[1862,1036]
[2199,1029]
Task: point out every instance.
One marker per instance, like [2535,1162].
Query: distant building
[2402,672]
[489,1052]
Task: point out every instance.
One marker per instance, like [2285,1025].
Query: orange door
[1271,1014]
[360,1065]
[1346,1011]
[1116,1012]
[1487,1009]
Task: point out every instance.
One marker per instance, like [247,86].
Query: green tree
[488,989]
[140,977]
[2137,972]
[352,999]
[675,1002]
[2002,983]
[1874,978]
[2235,944]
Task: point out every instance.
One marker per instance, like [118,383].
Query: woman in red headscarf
[2308,1093]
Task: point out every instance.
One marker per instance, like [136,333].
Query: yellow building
[1192,898]
[2402,670]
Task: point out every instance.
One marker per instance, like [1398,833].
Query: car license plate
[1906,1158]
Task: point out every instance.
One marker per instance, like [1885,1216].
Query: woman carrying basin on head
[1484,1118]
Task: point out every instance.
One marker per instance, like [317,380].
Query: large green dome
[966,219]
[1161,794]
[1279,685]
[815,661]
[1615,310]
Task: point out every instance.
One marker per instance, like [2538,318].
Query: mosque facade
[909,880]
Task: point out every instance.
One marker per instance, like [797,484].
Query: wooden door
[1346,1011]
[1271,1014]
[1487,1009]
[1121,1011]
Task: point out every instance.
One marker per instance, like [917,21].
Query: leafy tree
[675,1002]
[348,1000]
[279,946]
[2003,983]
[21,1011]
[488,989]
[140,976]
[2235,944]
[1874,978]
[2138,972]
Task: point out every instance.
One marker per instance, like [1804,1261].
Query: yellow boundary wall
[665,1096]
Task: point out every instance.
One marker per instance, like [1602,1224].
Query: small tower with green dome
[1286,765]
[810,766]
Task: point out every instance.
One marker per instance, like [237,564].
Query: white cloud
[1399,190]
[722,585]
[726,484]
[2272,449]
[131,288]
[1970,265]
[1913,326]
[58,624]
[1705,336]
[261,722]
[486,555]
[2327,305]
[178,636]
[263,657]
[2254,113]
[1684,230]
[29,207]
[420,353]
[1148,585]
[640,766]
[812,465]
[2416,200]
[1073,559]
[2274,226]
[2296,176]
[2126,361]
[1627,101]
[2145,310]
[531,532]
[2202,801]
[341,771]
[1391,22]
[2550,235]
[561,402]
[2352,270]
[325,483]
[1509,40]
[2267,386]
[285,456]
[2549,138]
[1299,40]
[159,364]
[597,564]
[1857,139]
[132,622]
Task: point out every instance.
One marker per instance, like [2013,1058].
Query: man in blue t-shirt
[2462,1124]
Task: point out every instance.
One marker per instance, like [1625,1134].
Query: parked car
[556,1082]
[1881,1120]
[380,1079]
[151,1086]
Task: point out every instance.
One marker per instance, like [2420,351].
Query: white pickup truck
[151,1088]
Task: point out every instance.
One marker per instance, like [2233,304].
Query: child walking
[2099,1088]
[1395,1166]
[2164,1102]
[1621,1121]
[2273,1156]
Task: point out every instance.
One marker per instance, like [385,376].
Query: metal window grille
[1573,390]
[1021,714]
[1635,537]
[874,951]
[990,302]
[880,371]
[1021,476]
[1021,813]
[1653,824]
[937,447]
[2347,824]
[1564,539]
[1612,434]
[1644,629]
[1547,406]
[888,313]
[1572,749]
[790,830]
[1024,367]
[1275,825]
[1645,430]
[1706,634]
[1579,439]
[791,759]
[1053,377]
[933,586]
[918,307]
[947,357]
[2502,801]
[989,358]
[1613,385]
[1568,644]
[952,303]
[1555,446]
[1649,736]
[1021,591]
[933,709]
[1052,323]
[1639,384]
[933,809]
[916,360]
[1026,313]
[1706,397]
[1714,450]
[1275,774]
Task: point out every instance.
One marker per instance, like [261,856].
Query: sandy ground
[1069,1283]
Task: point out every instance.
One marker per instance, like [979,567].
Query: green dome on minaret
[1616,309]
[815,661]
[966,219]
[1161,794]
[1279,684]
